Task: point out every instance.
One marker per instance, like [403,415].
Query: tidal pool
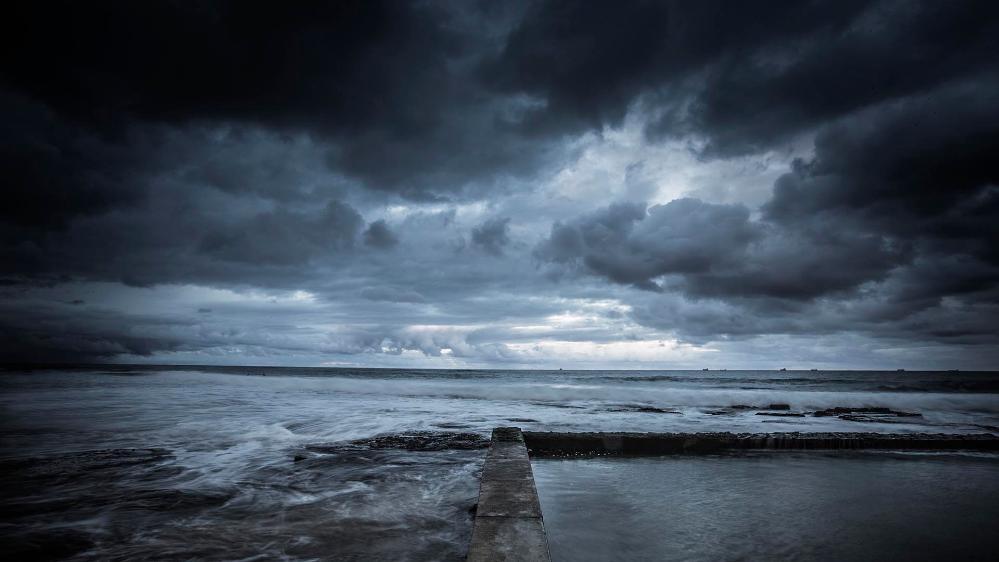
[772,506]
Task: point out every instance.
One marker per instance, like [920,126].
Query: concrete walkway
[508,524]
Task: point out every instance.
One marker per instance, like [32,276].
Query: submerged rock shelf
[555,444]
[410,441]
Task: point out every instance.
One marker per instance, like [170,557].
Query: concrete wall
[508,524]
[553,444]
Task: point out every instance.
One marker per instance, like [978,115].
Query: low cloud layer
[640,184]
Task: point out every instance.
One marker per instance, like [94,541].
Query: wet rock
[558,405]
[767,407]
[413,441]
[868,418]
[654,410]
[452,425]
[841,411]
[522,420]
[871,418]
[66,464]
[782,414]
[643,409]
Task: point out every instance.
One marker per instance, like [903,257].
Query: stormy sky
[512,184]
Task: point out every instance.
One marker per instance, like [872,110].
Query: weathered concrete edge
[555,444]
[508,523]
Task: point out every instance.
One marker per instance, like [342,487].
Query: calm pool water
[773,506]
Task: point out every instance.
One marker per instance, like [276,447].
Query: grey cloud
[802,263]
[745,77]
[606,227]
[178,238]
[919,176]
[492,235]
[628,244]
[876,316]
[888,232]
[378,235]
[591,71]
[387,90]
[748,101]
[100,334]
[393,294]
[906,165]
[52,173]
[899,200]
[55,335]
[720,273]
[285,238]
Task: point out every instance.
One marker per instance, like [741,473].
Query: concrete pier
[554,444]
[508,524]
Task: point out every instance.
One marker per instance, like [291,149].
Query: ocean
[261,463]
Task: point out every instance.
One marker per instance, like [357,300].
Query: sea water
[248,463]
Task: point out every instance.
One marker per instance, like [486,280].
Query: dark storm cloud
[55,335]
[46,344]
[921,174]
[348,151]
[52,173]
[747,101]
[378,235]
[745,75]
[629,245]
[335,66]
[388,86]
[432,99]
[590,60]
[285,238]
[713,249]
[492,235]
[924,165]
